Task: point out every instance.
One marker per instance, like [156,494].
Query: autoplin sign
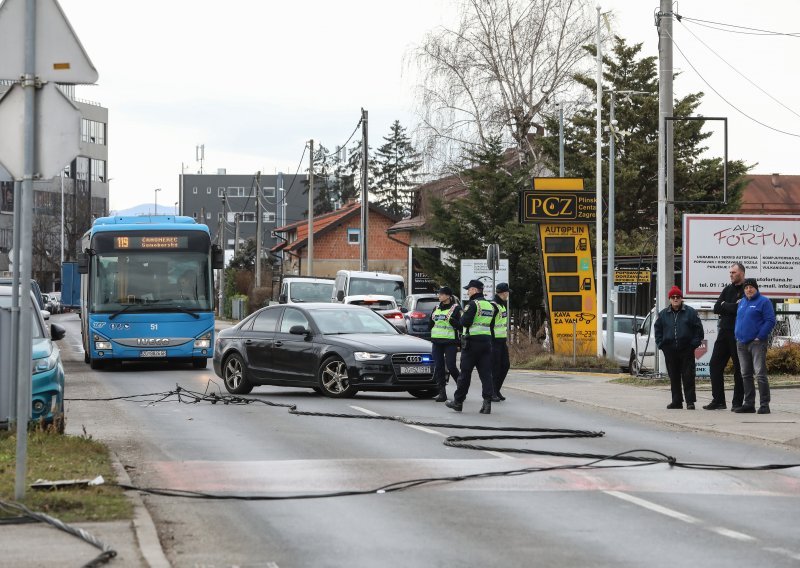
[767,245]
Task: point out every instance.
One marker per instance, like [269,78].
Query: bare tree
[493,74]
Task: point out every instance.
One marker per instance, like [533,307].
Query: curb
[143,526]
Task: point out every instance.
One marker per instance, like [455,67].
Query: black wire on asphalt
[107,552]
[636,458]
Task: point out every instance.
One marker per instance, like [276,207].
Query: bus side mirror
[83,263]
[217,257]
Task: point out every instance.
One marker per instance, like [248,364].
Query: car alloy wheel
[333,379]
[633,365]
[235,375]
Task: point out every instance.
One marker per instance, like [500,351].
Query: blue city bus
[147,290]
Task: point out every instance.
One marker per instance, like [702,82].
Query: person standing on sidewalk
[476,348]
[500,360]
[445,325]
[679,332]
[754,322]
[725,345]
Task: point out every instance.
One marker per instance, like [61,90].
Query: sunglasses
[675,297]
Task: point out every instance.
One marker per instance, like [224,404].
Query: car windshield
[311,291]
[36,327]
[624,324]
[356,320]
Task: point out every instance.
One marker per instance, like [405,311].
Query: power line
[733,106]
[741,74]
[299,165]
[724,25]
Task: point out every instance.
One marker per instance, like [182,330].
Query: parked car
[55,303]
[47,371]
[335,349]
[417,310]
[37,292]
[625,327]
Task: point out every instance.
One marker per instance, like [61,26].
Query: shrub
[784,359]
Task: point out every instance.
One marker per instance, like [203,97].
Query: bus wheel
[199,362]
[85,357]
[235,375]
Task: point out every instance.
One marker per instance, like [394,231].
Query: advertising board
[478,269]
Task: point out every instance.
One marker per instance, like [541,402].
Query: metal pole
[310,264]
[611,299]
[561,140]
[62,221]
[599,192]
[258,230]
[222,270]
[665,260]
[364,189]
[235,233]
[24,349]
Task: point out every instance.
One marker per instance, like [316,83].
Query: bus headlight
[203,342]
[102,345]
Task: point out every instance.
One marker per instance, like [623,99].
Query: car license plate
[415,370]
[153,354]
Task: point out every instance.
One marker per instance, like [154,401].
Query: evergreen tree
[488,213]
[698,180]
[396,164]
[326,190]
[351,174]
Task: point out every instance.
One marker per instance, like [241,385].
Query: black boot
[457,406]
[487,406]
[442,395]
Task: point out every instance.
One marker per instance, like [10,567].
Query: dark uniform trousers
[724,349]
[444,362]
[500,363]
[681,369]
[477,354]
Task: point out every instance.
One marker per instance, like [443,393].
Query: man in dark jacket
[500,360]
[477,348]
[445,326]
[754,323]
[679,332]
[725,346]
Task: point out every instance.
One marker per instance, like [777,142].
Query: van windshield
[311,291]
[363,286]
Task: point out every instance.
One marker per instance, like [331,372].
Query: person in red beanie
[679,332]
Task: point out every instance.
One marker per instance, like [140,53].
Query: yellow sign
[569,283]
[632,276]
[556,207]
[558,184]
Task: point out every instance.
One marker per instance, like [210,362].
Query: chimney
[776,180]
[221,171]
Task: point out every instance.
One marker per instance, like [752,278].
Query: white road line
[783,552]
[736,535]
[653,507]
[429,431]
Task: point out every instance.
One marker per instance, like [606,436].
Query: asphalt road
[651,515]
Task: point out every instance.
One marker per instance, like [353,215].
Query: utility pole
[222,270]
[236,233]
[561,140]
[310,263]
[258,229]
[364,188]
[666,212]
[599,192]
[612,295]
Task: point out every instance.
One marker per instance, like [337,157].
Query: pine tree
[396,164]
[698,180]
[351,174]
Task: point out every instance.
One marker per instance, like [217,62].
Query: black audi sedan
[335,349]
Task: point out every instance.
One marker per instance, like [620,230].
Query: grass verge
[703,383]
[54,457]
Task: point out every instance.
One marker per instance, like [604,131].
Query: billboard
[767,245]
[478,269]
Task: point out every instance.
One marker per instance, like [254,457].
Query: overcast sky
[255,80]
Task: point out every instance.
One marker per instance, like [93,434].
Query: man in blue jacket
[754,322]
[679,332]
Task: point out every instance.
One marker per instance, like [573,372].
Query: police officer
[500,360]
[476,348]
[445,325]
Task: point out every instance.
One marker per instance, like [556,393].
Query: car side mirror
[404,310]
[340,295]
[640,331]
[299,330]
[282,299]
[57,332]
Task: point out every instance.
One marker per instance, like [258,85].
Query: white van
[361,283]
[296,289]
[643,346]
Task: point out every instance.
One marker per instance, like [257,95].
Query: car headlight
[367,356]
[203,342]
[45,363]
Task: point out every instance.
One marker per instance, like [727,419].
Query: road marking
[429,431]
[784,552]
[732,534]
[653,507]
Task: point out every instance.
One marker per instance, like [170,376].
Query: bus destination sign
[129,242]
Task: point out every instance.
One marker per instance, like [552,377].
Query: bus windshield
[150,280]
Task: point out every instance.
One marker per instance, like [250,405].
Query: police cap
[474,284]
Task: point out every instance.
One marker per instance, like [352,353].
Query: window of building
[220,191]
[219,217]
[268,217]
[354,236]
[98,170]
[82,168]
[93,132]
[247,217]
[194,190]
[268,191]
[208,191]
[194,215]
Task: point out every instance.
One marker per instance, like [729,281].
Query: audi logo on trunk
[414,359]
[152,341]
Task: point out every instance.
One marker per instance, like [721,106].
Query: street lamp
[156,192]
